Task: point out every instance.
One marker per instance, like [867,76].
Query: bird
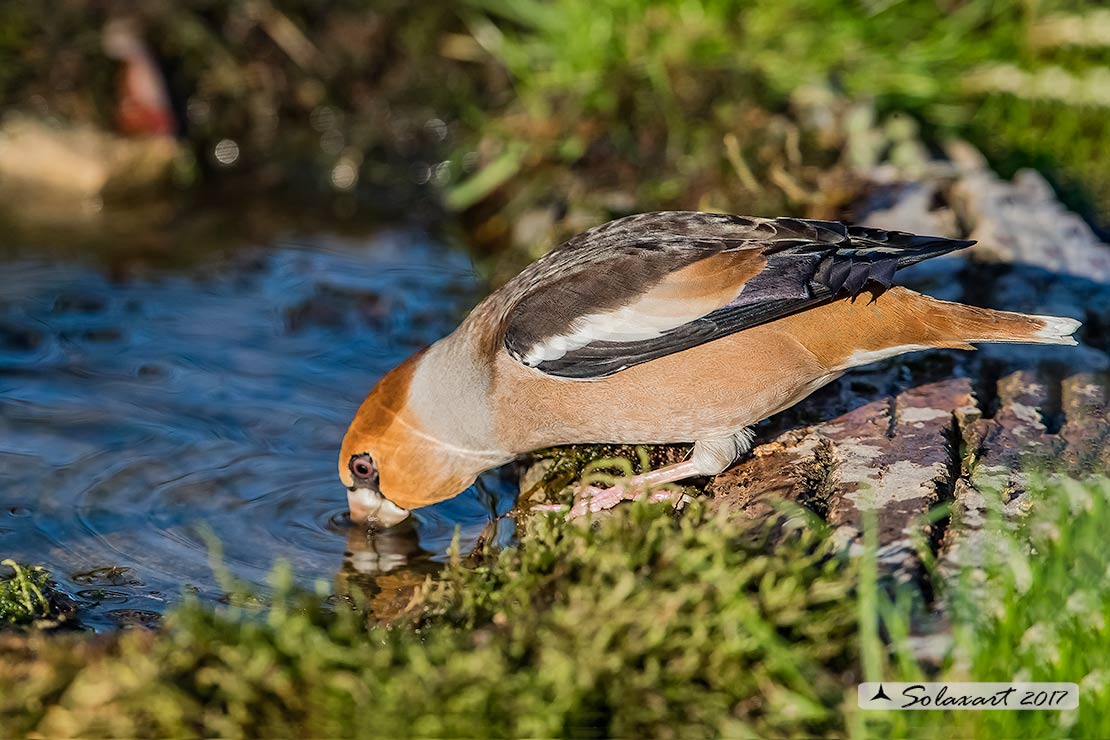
[656,328]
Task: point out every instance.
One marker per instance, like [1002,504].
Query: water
[138,414]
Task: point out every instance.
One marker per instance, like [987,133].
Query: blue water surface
[138,413]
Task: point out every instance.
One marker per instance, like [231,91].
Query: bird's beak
[367,505]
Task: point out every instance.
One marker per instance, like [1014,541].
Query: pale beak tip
[367,506]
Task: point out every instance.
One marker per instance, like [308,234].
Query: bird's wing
[646,286]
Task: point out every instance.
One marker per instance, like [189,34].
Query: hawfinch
[656,328]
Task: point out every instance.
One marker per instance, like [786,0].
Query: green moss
[596,463]
[23,595]
[644,622]
[641,624]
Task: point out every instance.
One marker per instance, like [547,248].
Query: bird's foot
[592,499]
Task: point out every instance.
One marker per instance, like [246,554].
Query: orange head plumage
[394,458]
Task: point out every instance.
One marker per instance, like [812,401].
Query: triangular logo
[880,694]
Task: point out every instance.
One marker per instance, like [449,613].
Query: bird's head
[365,499]
[393,460]
[371,442]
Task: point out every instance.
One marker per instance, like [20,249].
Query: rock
[1015,222]
[81,161]
[1085,432]
[911,206]
[1022,222]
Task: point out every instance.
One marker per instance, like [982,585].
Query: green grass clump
[643,624]
[1044,615]
[647,622]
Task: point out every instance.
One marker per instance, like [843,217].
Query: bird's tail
[975,325]
[903,321]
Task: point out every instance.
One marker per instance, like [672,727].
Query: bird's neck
[449,398]
[441,435]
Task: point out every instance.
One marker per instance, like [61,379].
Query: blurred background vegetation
[520,113]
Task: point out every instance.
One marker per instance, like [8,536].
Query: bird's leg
[594,498]
[708,457]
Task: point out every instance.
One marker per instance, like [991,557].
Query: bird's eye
[361,467]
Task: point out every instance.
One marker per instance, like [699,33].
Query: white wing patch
[647,318]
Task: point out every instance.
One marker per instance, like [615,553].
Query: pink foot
[589,499]
[592,499]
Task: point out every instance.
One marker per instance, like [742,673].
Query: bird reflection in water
[383,566]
